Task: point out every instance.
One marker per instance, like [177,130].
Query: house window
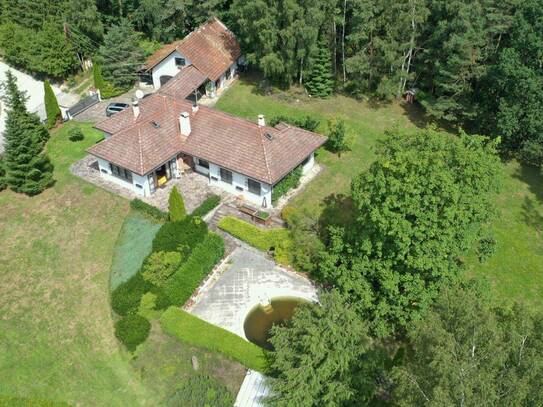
[254,186]
[226,176]
[120,172]
[180,62]
[203,163]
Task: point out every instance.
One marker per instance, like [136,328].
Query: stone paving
[193,187]
[245,279]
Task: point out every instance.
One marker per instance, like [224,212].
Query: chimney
[184,123]
[136,108]
[261,121]
[194,107]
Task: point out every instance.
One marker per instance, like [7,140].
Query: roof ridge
[265,154]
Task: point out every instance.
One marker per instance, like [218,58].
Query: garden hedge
[187,232]
[139,205]
[207,206]
[126,297]
[190,274]
[194,331]
[132,330]
[289,182]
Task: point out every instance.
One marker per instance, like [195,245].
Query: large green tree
[121,57]
[418,209]
[28,169]
[315,363]
[465,353]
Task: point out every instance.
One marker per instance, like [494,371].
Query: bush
[486,248]
[307,123]
[75,134]
[107,90]
[194,331]
[277,239]
[172,236]
[159,266]
[126,297]
[3,184]
[139,205]
[292,180]
[52,109]
[176,206]
[203,391]
[207,206]
[191,273]
[132,330]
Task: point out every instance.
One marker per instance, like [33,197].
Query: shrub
[126,297]
[75,134]
[194,331]
[292,180]
[486,248]
[308,123]
[287,213]
[337,141]
[277,239]
[191,273]
[176,206]
[139,205]
[147,307]
[3,184]
[52,109]
[207,206]
[201,390]
[159,266]
[107,90]
[172,236]
[132,330]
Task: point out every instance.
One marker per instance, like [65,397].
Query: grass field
[515,271]
[56,326]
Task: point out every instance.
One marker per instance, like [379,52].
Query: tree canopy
[419,208]
[464,352]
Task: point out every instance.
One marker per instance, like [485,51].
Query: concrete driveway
[97,113]
[247,278]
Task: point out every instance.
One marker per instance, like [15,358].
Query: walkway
[253,390]
[247,277]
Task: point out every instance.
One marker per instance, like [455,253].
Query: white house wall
[167,67]
[240,181]
[105,171]
[309,164]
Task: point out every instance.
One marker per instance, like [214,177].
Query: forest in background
[474,64]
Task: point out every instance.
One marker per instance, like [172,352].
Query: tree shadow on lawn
[533,177]
[338,210]
[531,214]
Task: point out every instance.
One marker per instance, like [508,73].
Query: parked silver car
[114,108]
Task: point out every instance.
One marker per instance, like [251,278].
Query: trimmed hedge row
[139,205]
[207,206]
[194,331]
[255,236]
[188,277]
[291,181]
[182,235]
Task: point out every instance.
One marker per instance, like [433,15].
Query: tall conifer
[320,82]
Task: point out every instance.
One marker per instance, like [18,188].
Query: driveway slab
[247,278]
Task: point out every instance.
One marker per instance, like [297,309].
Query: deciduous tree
[419,207]
[463,352]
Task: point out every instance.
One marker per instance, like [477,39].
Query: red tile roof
[211,48]
[184,83]
[266,154]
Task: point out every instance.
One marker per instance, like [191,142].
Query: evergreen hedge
[190,274]
[194,331]
[172,236]
[207,206]
[52,108]
[132,330]
[292,180]
[307,122]
[139,205]
[126,297]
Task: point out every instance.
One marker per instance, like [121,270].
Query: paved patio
[245,279]
[193,187]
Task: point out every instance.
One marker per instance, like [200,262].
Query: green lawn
[516,270]
[56,323]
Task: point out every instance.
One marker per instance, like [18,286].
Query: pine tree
[28,169]
[176,206]
[3,184]
[320,82]
[121,56]
[51,105]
